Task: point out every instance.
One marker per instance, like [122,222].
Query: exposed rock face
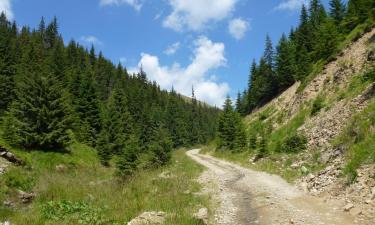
[148,218]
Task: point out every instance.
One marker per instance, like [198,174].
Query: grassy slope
[86,193]
[357,137]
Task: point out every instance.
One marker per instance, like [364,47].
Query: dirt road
[251,197]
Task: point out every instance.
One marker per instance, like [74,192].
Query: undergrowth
[88,193]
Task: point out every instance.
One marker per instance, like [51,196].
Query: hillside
[320,135]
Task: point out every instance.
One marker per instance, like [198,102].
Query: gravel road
[246,197]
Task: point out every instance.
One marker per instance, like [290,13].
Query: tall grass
[87,193]
[358,139]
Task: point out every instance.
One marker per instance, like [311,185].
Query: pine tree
[269,54]
[239,103]
[7,63]
[87,107]
[231,131]
[160,147]
[128,159]
[117,127]
[285,64]
[328,35]
[43,121]
[303,45]
[337,11]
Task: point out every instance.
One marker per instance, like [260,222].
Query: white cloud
[136,4]
[172,49]
[92,40]
[238,27]
[5,6]
[291,5]
[196,14]
[207,57]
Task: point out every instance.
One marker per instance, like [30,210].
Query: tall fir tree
[337,11]
[43,121]
[285,64]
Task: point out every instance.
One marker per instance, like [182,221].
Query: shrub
[318,104]
[294,143]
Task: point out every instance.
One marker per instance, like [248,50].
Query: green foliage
[358,139]
[73,212]
[128,159]
[277,137]
[51,92]
[317,105]
[39,122]
[301,56]
[294,143]
[18,178]
[231,131]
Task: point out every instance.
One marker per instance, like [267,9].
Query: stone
[148,218]
[291,221]
[294,166]
[355,212]
[348,207]
[202,215]
[61,168]
[310,177]
[166,175]
[8,203]
[25,197]
[325,157]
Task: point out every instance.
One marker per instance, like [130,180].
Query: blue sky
[206,43]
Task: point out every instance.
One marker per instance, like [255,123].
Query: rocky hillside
[333,113]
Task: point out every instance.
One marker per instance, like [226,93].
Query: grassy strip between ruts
[85,192]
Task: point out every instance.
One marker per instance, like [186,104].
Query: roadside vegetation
[82,191]
[273,141]
[358,140]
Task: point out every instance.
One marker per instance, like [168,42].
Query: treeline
[314,42]
[52,93]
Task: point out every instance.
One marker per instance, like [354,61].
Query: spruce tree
[7,63]
[231,131]
[87,106]
[160,146]
[337,11]
[39,113]
[128,159]
[285,64]
[117,127]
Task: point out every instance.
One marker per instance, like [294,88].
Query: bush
[294,143]
[369,76]
[318,104]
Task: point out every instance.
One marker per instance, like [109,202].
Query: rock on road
[251,197]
